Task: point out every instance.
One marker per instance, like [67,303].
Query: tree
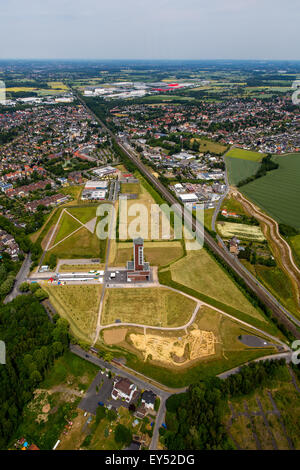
[100,414]
[123,435]
[24,287]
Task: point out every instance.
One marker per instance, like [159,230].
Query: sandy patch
[172,350]
[115,336]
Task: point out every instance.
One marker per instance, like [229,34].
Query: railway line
[265,296]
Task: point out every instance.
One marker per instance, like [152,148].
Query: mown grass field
[82,244]
[79,305]
[238,169]
[156,253]
[200,272]
[245,154]
[147,306]
[278,193]
[66,226]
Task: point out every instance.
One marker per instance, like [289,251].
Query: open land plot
[208,347]
[242,231]
[231,204]
[79,305]
[82,244]
[130,188]
[245,154]
[73,191]
[200,272]
[206,145]
[284,428]
[240,169]
[278,193]
[135,217]
[54,403]
[156,306]
[156,253]
[80,267]
[277,282]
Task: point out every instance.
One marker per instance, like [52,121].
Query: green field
[278,193]
[79,305]
[84,214]
[200,272]
[209,146]
[67,226]
[295,243]
[156,253]
[245,154]
[147,306]
[238,169]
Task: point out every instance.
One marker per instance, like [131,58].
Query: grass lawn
[232,205]
[130,188]
[79,305]
[208,215]
[82,244]
[147,306]
[66,226]
[245,154]
[200,272]
[157,253]
[278,193]
[85,213]
[73,191]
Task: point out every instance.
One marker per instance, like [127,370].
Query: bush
[123,435]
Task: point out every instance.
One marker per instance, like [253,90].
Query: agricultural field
[207,347]
[45,418]
[274,428]
[200,272]
[241,231]
[238,169]
[156,253]
[210,146]
[245,154]
[79,304]
[278,193]
[156,306]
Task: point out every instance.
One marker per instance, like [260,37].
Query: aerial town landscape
[149,255]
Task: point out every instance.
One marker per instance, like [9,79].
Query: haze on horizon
[157,29]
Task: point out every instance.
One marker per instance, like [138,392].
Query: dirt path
[281,249]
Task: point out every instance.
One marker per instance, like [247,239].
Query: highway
[264,295]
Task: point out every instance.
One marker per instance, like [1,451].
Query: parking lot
[100,391]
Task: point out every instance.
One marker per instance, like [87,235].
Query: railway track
[278,311]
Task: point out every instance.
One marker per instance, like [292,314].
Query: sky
[149,29]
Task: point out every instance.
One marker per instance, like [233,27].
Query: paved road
[21,277]
[142,384]
[286,355]
[264,295]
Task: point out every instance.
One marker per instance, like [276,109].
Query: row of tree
[32,344]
